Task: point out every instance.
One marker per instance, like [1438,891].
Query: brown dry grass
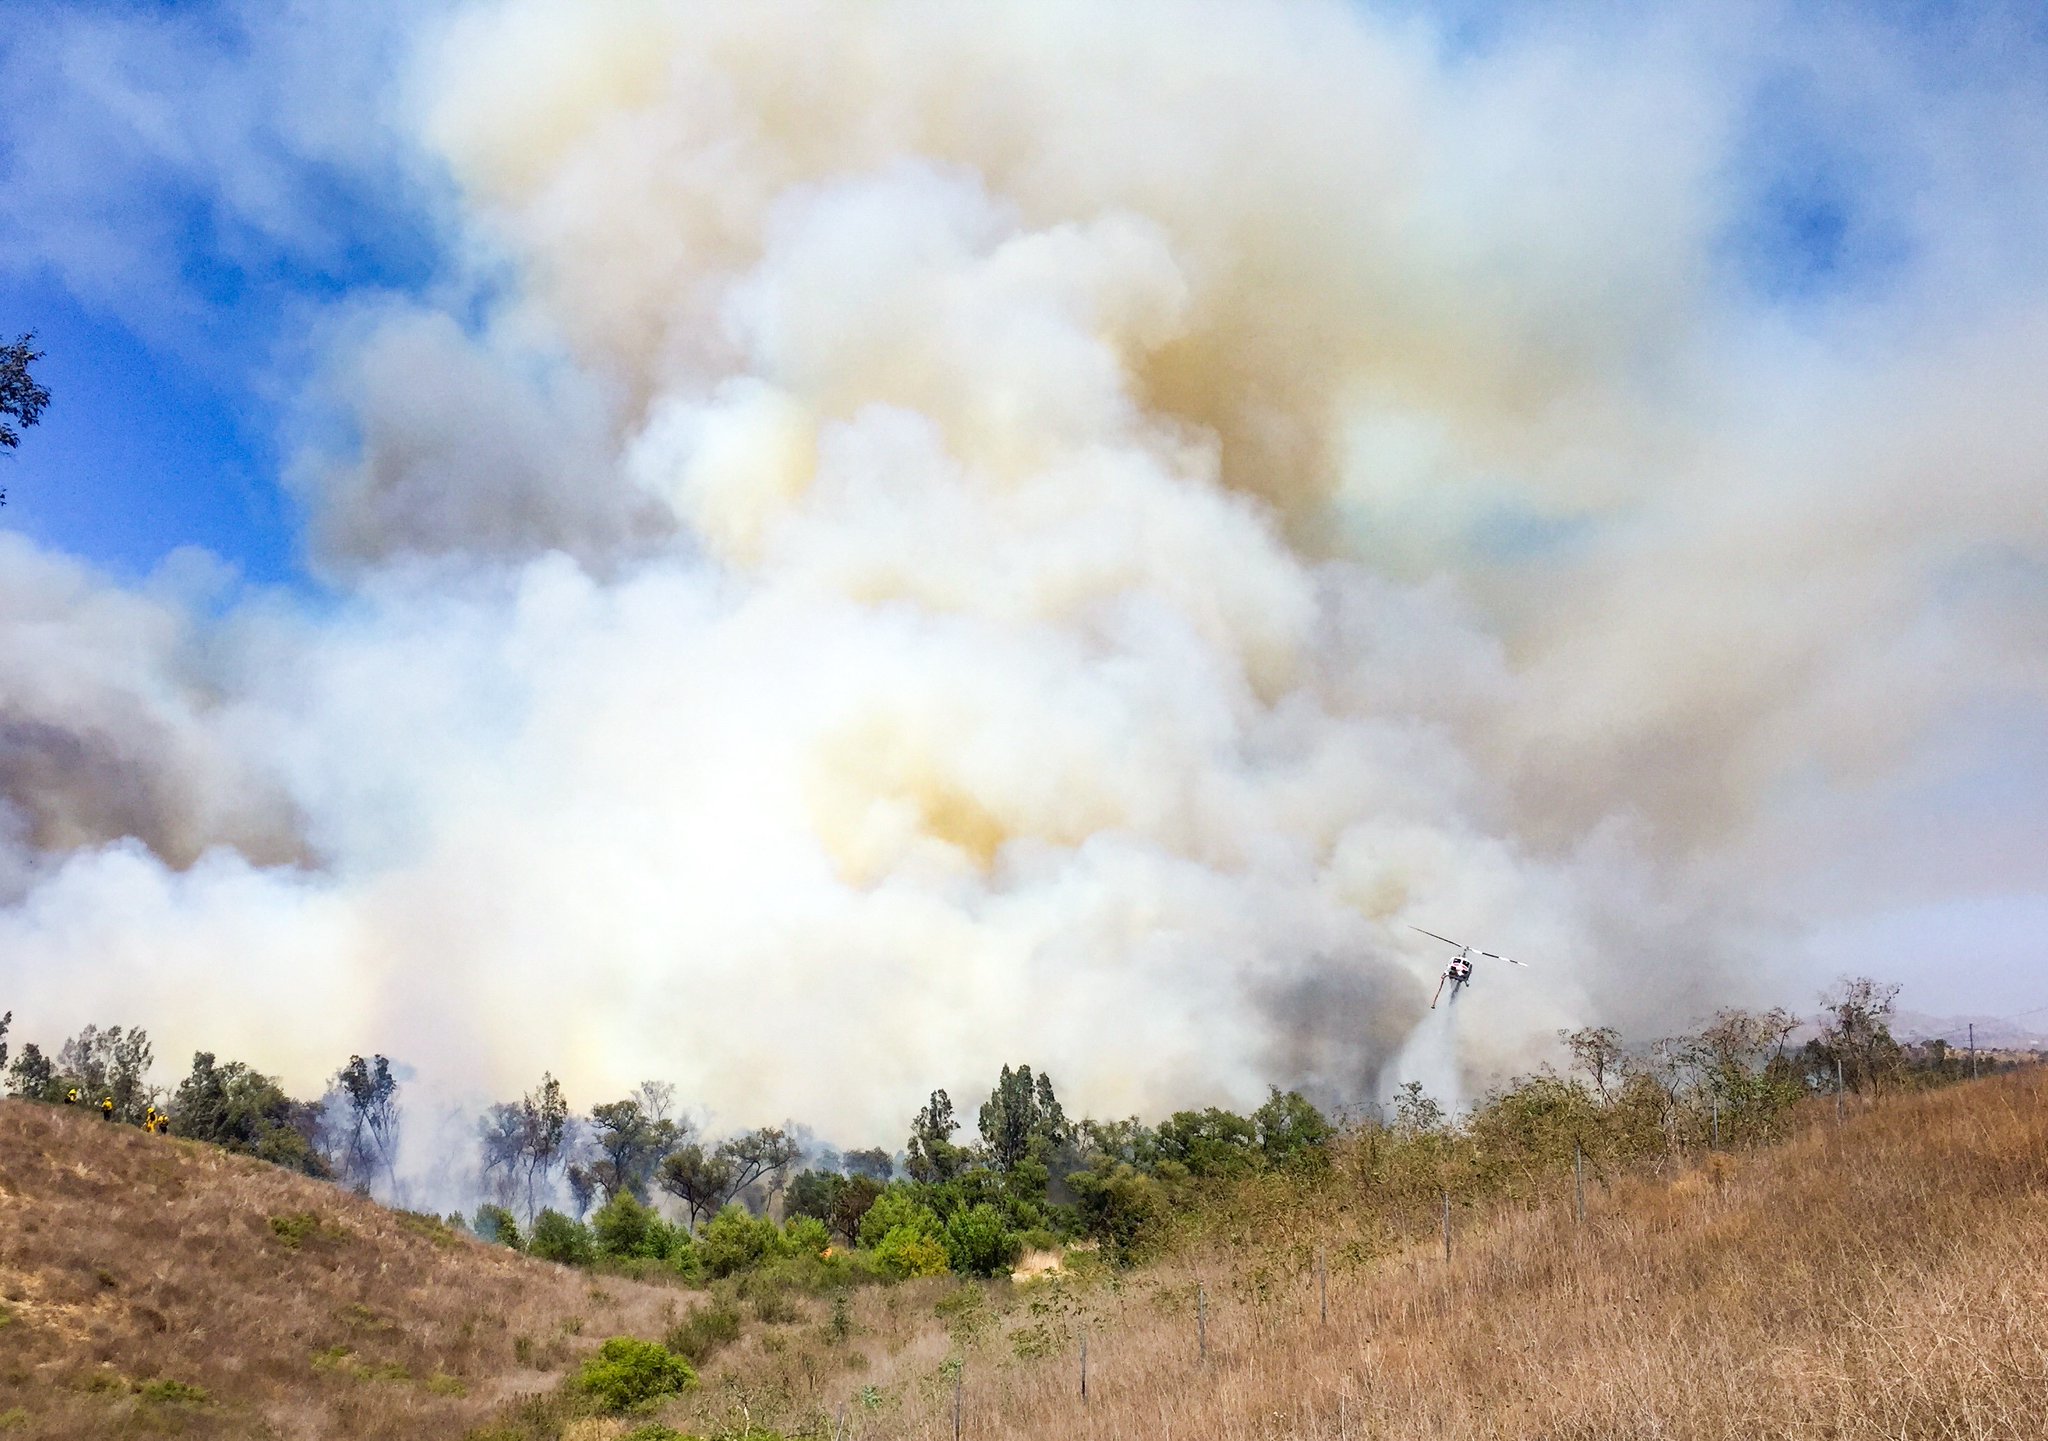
[133,1265]
[1887,1279]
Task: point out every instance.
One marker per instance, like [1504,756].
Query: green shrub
[978,1244]
[896,1207]
[433,1228]
[557,1238]
[703,1331]
[1125,1211]
[654,1431]
[908,1251]
[683,1257]
[623,1227]
[301,1227]
[496,1224]
[171,1393]
[805,1236]
[734,1241]
[626,1373]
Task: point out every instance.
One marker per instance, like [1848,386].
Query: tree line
[632,1183]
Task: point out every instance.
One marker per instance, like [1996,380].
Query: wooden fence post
[1578,1183]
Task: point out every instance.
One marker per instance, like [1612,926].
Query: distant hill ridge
[1993,1032]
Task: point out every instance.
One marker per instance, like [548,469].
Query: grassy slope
[128,1259]
[1887,1279]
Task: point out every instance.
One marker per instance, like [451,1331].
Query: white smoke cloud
[1045,532]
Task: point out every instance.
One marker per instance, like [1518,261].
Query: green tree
[1214,1142]
[1855,1034]
[632,1137]
[501,1139]
[931,1156]
[874,1164]
[363,1122]
[22,400]
[1742,1072]
[1596,1050]
[631,1141]
[111,1063]
[1527,1131]
[1130,1141]
[702,1180]
[33,1075]
[759,1156]
[5,1021]
[1290,1131]
[850,1206]
[243,1110]
[1021,1119]
[1416,1112]
[705,1181]
[544,1129]
[814,1193]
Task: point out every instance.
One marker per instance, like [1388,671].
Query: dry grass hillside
[1885,1279]
[151,1286]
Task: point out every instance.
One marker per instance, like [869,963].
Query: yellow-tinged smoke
[1048,531]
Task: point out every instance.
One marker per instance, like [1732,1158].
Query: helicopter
[1458,973]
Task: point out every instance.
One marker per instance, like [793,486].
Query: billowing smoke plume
[1049,531]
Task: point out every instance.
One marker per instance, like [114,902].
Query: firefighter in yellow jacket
[107,1108]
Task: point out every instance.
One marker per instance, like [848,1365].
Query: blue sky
[175,321]
[172,231]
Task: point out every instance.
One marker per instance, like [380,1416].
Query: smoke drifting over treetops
[929,534]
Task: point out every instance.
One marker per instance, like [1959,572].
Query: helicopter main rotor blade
[1435,937]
